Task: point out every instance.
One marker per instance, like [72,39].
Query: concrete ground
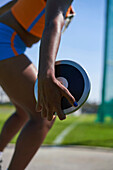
[66,158]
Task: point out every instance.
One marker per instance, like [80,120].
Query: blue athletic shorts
[10,43]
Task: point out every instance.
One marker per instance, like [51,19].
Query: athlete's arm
[7,6]
[54,21]
[50,89]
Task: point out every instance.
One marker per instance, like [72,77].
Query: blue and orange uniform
[31,16]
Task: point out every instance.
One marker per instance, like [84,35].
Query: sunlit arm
[49,45]
[50,90]
[54,21]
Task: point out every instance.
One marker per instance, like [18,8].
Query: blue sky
[83,42]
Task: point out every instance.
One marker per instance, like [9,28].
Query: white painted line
[60,137]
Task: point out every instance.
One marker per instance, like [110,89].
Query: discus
[75,78]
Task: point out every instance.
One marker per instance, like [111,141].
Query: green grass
[86,132]
[91,134]
[58,127]
[5,112]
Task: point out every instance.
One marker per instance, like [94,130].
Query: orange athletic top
[31,15]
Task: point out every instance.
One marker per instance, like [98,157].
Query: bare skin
[13,124]
[18,76]
[25,74]
[19,117]
[48,85]
[19,87]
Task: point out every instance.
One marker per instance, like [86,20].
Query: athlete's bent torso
[27,37]
[27,18]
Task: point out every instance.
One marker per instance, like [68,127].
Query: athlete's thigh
[17,77]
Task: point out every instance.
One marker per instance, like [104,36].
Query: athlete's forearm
[54,21]
[50,90]
[49,46]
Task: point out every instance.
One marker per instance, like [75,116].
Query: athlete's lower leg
[14,123]
[29,142]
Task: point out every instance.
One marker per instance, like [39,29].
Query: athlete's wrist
[46,73]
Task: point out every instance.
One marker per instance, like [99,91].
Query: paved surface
[66,158]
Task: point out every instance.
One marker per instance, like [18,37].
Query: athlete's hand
[50,92]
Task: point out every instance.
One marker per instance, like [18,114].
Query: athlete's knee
[23,117]
[42,123]
[21,114]
[49,124]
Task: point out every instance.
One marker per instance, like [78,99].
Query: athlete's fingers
[44,112]
[38,107]
[60,113]
[40,99]
[49,114]
[69,97]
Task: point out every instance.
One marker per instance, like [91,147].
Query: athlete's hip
[28,38]
[10,43]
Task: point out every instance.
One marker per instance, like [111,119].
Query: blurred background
[87,41]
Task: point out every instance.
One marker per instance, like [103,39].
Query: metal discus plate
[75,79]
